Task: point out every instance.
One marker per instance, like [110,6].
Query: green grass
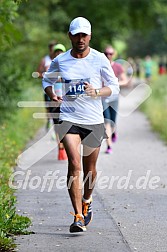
[16,131]
[156,106]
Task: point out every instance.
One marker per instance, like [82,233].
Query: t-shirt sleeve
[121,70]
[108,77]
[51,75]
[118,69]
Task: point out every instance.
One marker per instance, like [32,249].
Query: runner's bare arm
[51,94]
[91,91]
[41,68]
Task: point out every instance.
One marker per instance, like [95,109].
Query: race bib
[75,88]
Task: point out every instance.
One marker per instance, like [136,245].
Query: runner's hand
[89,89]
[57,98]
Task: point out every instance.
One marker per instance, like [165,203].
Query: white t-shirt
[47,61]
[97,69]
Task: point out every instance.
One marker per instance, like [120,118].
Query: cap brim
[59,49]
[80,31]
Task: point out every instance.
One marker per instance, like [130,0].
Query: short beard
[79,50]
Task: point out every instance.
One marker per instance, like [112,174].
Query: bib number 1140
[77,88]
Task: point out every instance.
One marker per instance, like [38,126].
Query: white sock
[87,200]
[81,215]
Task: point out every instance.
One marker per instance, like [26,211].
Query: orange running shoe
[78,224]
[62,154]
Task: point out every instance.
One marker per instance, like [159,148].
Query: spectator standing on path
[110,104]
[148,64]
[138,67]
[161,66]
[83,69]
[58,49]
[42,68]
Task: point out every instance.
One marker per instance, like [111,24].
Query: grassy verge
[15,132]
[156,106]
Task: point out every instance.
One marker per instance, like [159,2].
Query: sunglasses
[108,53]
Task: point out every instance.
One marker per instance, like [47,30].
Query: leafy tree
[9,68]
[8,31]
[152,39]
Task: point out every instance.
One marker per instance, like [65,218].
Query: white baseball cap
[80,25]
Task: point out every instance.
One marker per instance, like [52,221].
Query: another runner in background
[58,49]
[110,104]
[42,68]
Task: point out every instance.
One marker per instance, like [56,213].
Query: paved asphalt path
[129,199]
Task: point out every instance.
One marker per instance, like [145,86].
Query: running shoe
[62,154]
[87,212]
[109,150]
[114,137]
[78,225]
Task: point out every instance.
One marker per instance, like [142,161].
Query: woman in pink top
[110,104]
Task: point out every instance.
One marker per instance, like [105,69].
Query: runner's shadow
[65,235]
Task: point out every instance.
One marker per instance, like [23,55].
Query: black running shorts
[91,135]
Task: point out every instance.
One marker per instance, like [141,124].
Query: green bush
[13,138]
[155,106]
[10,222]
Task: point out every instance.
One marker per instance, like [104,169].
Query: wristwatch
[97,92]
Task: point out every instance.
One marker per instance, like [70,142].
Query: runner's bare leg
[71,142]
[89,168]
